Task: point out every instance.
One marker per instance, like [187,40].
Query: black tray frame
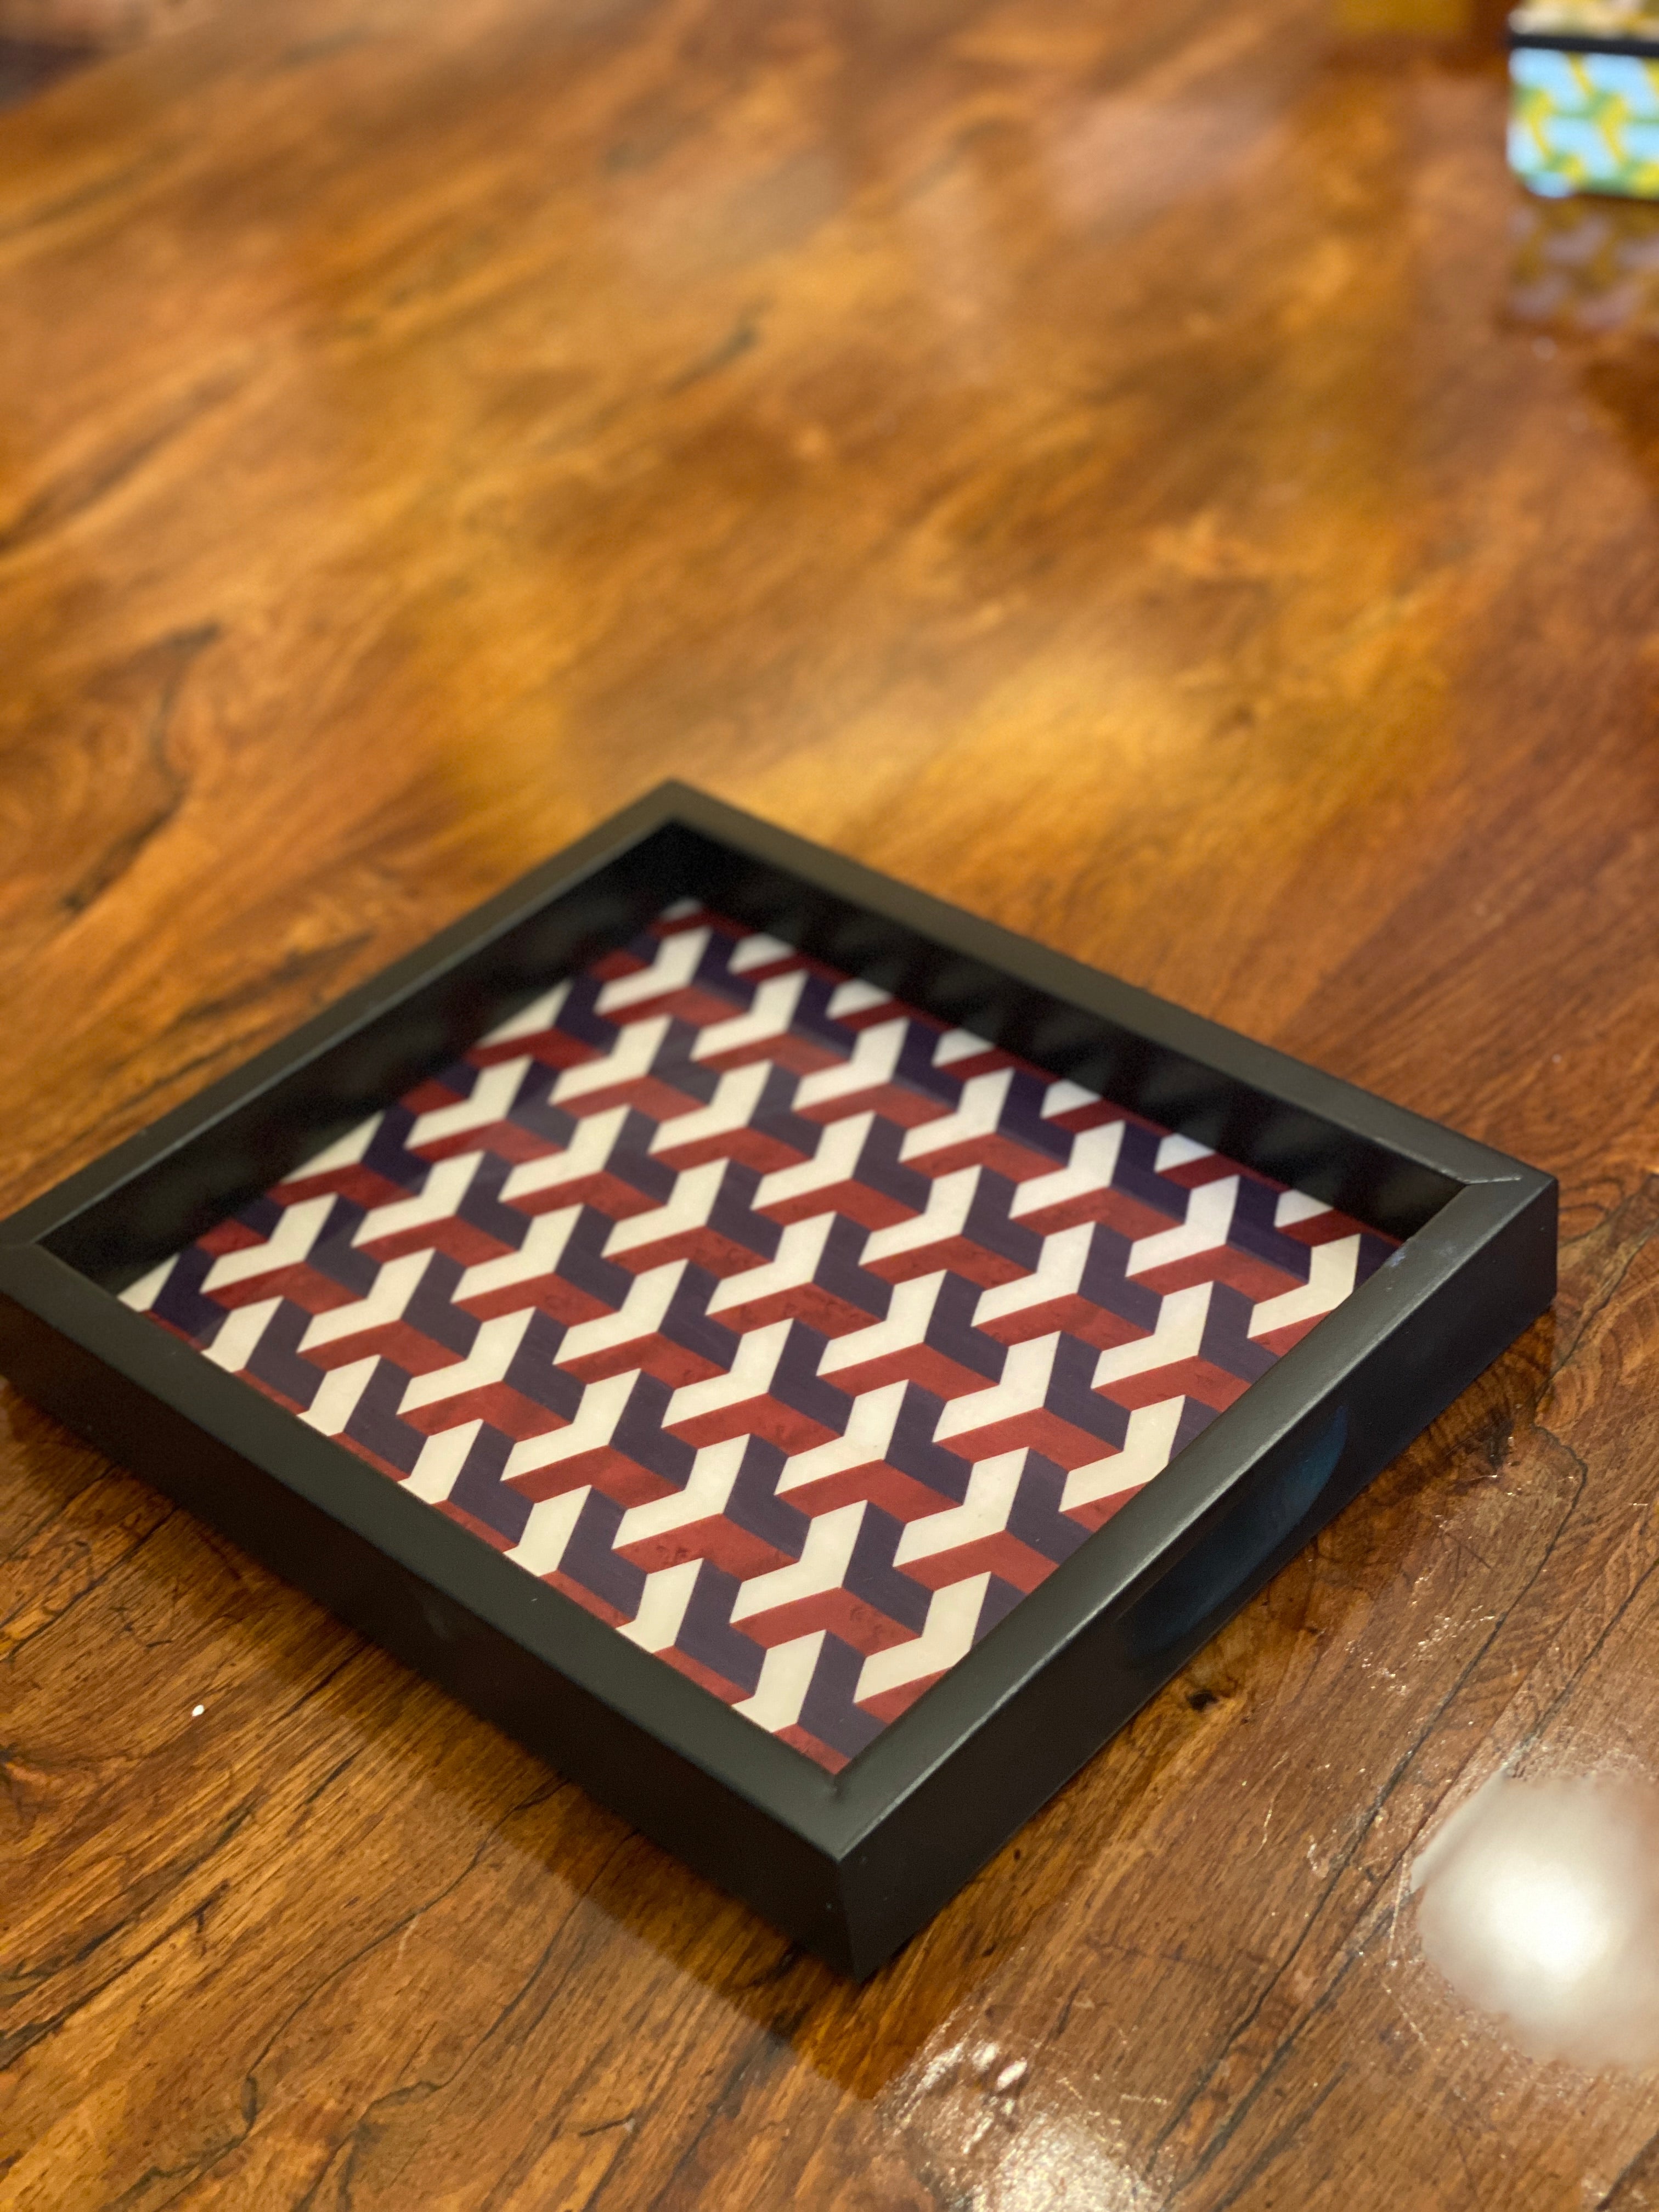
[1582,42]
[852,1864]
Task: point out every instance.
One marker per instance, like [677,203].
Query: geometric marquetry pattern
[790,1334]
[1586,122]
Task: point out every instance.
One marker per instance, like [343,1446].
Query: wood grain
[1085,459]
[96,24]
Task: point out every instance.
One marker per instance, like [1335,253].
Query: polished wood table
[1142,473]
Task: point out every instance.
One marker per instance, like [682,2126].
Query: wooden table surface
[1143,473]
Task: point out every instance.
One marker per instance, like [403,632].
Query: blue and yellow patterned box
[1584,108]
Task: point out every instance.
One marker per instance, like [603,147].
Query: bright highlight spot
[1539,1903]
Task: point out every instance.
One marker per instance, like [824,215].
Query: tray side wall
[962,1814]
[354,1060]
[869,927]
[666,1795]
[216,1153]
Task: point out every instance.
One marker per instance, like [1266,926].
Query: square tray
[1584,97]
[806,1362]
